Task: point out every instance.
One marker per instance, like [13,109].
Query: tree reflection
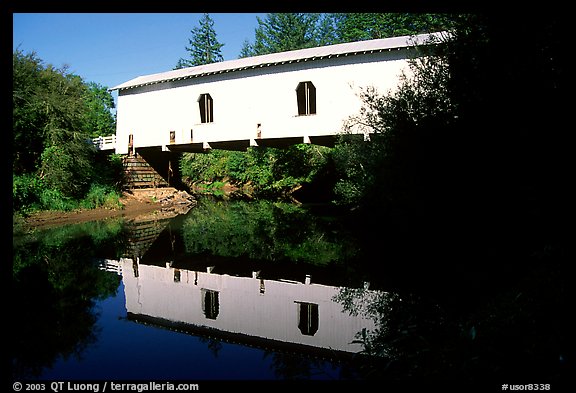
[288,366]
[375,305]
[408,335]
[54,287]
[511,332]
[265,231]
[214,345]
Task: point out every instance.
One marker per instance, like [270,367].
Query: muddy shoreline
[161,201]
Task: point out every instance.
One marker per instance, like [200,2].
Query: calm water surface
[237,290]
[231,290]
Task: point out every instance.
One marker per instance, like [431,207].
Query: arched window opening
[205,104]
[306,97]
[210,303]
[307,318]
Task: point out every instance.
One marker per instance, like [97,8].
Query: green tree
[66,158]
[204,46]
[28,119]
[261,172]
[398,165]
[55,113]
[289,31]
[438,155]
[351,27]
[100,121]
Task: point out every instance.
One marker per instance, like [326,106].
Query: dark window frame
[308,318]
[206,106]
[306,98]
[210,303]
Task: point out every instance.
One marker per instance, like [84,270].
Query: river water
[237,290]
[231,290]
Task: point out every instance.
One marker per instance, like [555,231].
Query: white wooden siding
[244,99]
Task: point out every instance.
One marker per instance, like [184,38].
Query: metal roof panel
[279,58]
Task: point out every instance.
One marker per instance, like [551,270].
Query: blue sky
[110,48]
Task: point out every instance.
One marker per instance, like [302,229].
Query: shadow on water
[312,295]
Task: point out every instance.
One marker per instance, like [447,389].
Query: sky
[112,48]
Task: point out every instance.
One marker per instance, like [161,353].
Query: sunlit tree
[55,113]
[280,32]
[204,46]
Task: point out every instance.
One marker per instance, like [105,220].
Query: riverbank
[163,201]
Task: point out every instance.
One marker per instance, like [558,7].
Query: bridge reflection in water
[275,314]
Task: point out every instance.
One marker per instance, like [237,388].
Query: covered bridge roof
[351,48]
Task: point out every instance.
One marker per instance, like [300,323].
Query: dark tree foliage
[55,286]
[469,156]
[463,196]
[351,27]
[398,167]
[511,97]
[289,31]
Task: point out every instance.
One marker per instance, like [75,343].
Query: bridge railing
[105,142]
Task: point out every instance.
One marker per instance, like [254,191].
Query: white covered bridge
[300,96]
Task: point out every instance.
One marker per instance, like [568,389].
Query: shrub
[52,199]
[26,190]
[101,196]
